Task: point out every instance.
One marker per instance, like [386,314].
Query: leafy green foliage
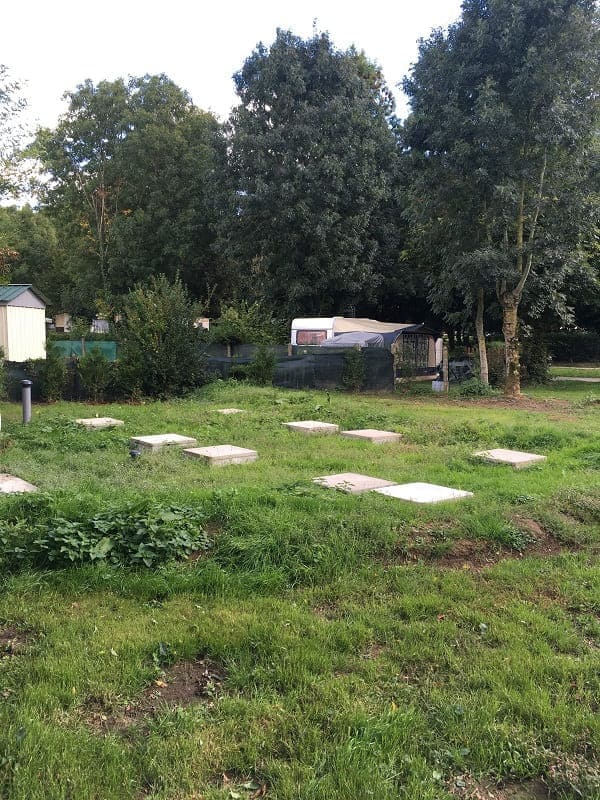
[160,347]
[353,373]
[535,359]
[12,104]
[262,366]
[312,159]
[131,163]
[96,373]
[49,373]
[247,323]
[504,110]
[474,387]
[139,534]
[32,238]
[578,346]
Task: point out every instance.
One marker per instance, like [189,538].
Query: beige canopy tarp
[350,324]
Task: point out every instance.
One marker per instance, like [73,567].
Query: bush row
[574,346]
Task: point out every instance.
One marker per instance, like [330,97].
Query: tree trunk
[483,362]
[512,380]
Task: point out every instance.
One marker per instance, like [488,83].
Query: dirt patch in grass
[13,641]
[374,651]
[240,786]
[477,554]
[469,789]
[328,611]
[183,684]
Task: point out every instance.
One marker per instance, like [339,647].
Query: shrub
[353,372]
[262,367]
[238,372]
[574,346]
[475,387]
[244,323]
[535,360]
[160,347]
[95,372]
[496,364]
[49,373]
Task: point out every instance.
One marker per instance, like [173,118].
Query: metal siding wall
[3,332]
[26,333]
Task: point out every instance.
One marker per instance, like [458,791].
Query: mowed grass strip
[364,647]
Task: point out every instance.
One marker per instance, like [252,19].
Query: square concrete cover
[222,454]
[516,458]
[423,492]
[312,427]
[98,423]
[156,441]
[230,410]
[351,482]
[374,436]
[11,485]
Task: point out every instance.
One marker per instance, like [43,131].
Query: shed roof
[11,291]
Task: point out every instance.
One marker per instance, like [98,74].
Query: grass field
[575,371]
[327,646]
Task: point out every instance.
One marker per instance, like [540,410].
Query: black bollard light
[26,400]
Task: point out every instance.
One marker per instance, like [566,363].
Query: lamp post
[26,400]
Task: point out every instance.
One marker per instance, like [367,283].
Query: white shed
[22,322]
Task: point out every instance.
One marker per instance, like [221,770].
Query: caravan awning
[351,324]
[354,338]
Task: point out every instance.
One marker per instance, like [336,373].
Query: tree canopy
[12,131]
[504,108]
[130,164]
[312,154]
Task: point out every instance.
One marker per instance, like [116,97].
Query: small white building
[22,322]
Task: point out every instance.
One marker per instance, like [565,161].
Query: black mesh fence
[307,367]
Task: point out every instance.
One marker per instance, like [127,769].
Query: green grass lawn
[327,646]
[578,371]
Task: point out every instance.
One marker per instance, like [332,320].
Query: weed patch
[140,534]
[580,505]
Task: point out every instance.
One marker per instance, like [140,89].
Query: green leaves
[142,534]
[160,353]
[312,164]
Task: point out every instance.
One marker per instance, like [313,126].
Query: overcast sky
[53,46]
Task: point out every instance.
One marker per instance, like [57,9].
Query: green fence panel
[75,347]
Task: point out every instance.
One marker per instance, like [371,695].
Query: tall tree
[503,112]
[12,130]
[130,163]
[311,156]
[31,239]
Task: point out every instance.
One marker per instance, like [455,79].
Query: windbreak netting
[310,367]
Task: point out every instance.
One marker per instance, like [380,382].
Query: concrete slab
[222,454]
[11,485]
[230,410]
[372,435]
[99,423]
[351,482]
[160,440]
[311,427]
[515,458]
[423,492]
